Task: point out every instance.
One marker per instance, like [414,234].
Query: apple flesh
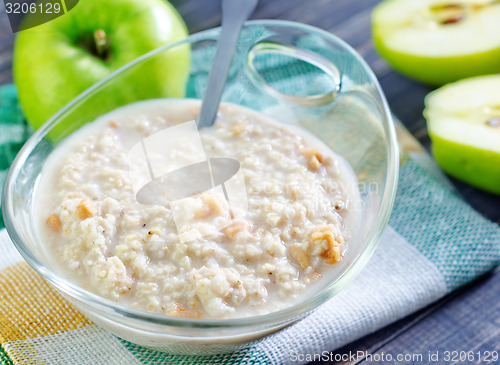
[58,60]
[463,120]
[438,41]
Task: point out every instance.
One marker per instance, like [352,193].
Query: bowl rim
[282,316]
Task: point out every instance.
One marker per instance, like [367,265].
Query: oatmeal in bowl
[201,256]
[204,241]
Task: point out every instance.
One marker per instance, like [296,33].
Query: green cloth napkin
[14,130]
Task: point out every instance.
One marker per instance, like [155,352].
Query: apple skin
[436,71]
[462,120]
[431,70]
[477,167]
[51,67]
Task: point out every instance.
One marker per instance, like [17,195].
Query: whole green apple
[58,60]
[438,41]
[463,120]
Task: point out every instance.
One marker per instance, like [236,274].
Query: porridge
[205,254]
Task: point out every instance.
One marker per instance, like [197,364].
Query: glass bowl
[298,75]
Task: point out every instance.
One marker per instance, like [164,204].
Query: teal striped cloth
[14,130]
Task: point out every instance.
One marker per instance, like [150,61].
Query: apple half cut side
[463,120]
[438,41]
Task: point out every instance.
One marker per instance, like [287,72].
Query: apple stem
[101,43]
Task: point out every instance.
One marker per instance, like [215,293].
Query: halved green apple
[439,41]
[463,120]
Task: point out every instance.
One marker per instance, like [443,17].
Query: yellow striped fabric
[30,308]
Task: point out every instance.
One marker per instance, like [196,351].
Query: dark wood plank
[485,203]
[469,323]
[458,322]
[6,47]
[199,15]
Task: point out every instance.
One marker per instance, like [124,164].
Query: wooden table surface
[466,320]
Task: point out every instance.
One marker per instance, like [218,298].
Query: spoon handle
[234,14]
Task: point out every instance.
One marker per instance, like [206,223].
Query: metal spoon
[205,173]
[234,14]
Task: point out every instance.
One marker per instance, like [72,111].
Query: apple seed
[448,13]
[453,20]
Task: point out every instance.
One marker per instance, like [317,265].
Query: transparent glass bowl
[295,73]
